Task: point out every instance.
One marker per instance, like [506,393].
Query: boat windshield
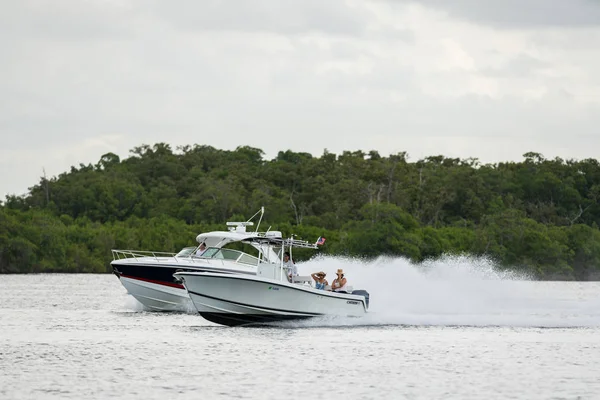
[230,254]
[185,252]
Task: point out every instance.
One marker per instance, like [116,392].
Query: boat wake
[457,291]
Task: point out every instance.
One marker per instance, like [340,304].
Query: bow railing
[141,254]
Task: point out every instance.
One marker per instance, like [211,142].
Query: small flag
[320,241]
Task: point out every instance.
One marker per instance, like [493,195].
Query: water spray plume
[459,290]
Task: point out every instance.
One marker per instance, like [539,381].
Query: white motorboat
[148,276]
[268,296]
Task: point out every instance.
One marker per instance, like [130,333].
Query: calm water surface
[82,336]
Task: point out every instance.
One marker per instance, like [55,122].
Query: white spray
[457,290]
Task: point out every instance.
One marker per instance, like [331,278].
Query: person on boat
[320,281]
[201,249]
[290,266]
[339,283]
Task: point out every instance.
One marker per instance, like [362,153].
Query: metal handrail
[138,254]
[123,254]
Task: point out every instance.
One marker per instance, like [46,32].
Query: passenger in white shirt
[290,266]
[339,283]
[201,249]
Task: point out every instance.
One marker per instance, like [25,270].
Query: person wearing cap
[339,283]
[201,249]
[320,281]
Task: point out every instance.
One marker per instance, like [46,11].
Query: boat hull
[235,300]
[155,287]
[158,297]
[233,320]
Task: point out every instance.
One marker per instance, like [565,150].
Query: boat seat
[301,279]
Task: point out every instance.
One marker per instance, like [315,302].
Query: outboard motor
[362,293]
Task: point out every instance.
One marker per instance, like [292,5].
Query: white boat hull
[153,284]
[234,300]
[158,297]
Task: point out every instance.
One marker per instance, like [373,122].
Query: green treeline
[539,216]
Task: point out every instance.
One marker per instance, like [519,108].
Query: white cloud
[535,14]
[32,162]
[425,77]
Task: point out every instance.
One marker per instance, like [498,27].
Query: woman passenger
[339,283]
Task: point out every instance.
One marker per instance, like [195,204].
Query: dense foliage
[538,215]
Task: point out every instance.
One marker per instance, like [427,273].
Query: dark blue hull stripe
[248,319]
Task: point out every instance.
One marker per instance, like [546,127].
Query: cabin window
[228,254]
[185,252]
[248,259]
[210,252]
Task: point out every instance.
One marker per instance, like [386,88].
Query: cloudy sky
[464,78]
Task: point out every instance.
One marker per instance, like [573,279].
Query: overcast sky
[463,78]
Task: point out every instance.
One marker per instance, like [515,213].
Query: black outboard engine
[362,293]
